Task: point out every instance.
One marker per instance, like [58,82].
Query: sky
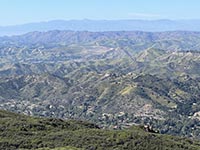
[13,12]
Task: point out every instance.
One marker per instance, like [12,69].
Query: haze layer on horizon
[14,12]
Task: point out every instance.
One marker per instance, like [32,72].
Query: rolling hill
[22,132]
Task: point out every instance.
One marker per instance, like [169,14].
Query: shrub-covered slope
[22,132]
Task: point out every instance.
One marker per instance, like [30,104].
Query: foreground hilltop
[23,132]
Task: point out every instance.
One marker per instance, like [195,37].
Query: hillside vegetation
[22,132]
[113,79]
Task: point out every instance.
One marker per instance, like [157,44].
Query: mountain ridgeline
[104,25]
[113,79]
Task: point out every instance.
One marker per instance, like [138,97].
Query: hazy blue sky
[24,11]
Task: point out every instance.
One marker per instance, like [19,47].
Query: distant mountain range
[103,25]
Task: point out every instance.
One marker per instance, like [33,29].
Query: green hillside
[22,132]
